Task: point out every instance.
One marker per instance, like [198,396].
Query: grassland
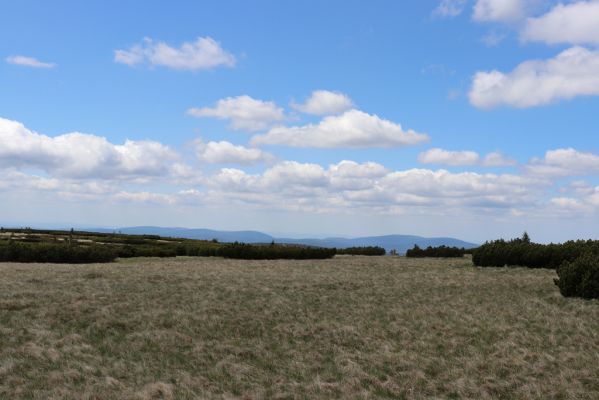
[348,327]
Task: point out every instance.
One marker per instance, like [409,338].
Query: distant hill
[200,234]
[401,243]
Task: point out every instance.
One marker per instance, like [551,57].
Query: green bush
[363,251]
[579,278]
[56,253]
[440,251]
[273,252]
[523,252]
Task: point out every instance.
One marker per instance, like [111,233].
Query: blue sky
[475,119]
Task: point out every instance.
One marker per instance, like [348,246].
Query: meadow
[346,327]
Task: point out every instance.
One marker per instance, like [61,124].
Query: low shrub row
[56,253]
[363,251]
[440,251]
[274,252]
[523,252]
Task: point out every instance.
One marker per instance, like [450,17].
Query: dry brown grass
[351,327]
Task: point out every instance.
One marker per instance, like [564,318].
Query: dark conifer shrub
[440,251]
[579,278]
[523,252]
[273,252]
[56,253]
[363,251]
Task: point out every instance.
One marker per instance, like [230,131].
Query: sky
[475,119]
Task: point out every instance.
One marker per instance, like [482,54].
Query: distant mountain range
[401,243]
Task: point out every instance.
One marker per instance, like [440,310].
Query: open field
[348,327]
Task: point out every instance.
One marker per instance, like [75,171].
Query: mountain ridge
[397,242]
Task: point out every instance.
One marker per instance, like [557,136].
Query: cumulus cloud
[497,159]
[80,155]
[243,112]
[464,158]
[449,8]
[574,23]
[565,162]
[145,197]
[28,62]
[224,152]
[352,129]
[350,175]
[204,53]
[500,10]
[586,203]
[572,73]
[452,158]
[324,102]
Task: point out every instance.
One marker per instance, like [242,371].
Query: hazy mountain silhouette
[401,243]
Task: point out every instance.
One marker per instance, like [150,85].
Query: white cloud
[347,185]
[572,73]
[565,162]
[500,10]
[452,158]
[350,175]
[497,159]
[79,155]
[324,102]
[204,53]
[227,153]
[145,197]
[28,62]
[450,8]
[586,203]
[352,129]
[339,188]
[464,158]
[244,112]
[574,23]
[568,203]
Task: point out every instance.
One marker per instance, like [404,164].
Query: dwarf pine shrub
[440,251]
[56,253]
[363,251]
[523,252]
[579,278]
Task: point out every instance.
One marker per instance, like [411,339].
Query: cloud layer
[84,167]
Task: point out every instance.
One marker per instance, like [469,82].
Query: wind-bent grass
[350,327]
